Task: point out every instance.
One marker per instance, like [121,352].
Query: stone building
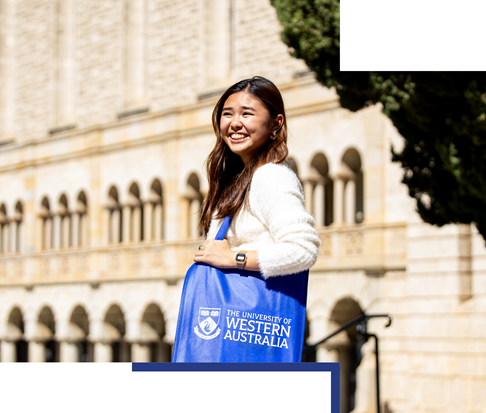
[105,109]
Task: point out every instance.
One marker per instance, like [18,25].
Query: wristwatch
[241,260]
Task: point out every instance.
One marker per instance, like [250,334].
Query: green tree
[441,115]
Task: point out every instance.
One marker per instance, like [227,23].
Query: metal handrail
[361,329]
[362,317]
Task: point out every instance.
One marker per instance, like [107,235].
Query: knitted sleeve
[277,200]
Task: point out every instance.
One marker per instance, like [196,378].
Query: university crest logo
[208,320]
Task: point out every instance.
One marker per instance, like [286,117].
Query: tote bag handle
[223,229]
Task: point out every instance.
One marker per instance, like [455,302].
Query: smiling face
[246,125]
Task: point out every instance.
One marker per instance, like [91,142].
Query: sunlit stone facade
[104,128]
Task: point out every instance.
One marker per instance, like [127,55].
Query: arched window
[46,217]
[115,225]
[64,229]
[136,214]
[80,225]
[19,214]
[321,193]
[194,199]
[3,229]
[155,226]
[353,187]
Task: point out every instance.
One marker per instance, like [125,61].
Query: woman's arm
[219,254]
[277,200]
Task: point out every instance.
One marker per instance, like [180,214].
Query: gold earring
[273,136]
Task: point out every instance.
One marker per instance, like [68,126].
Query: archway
[79,326]
[153,328]
[80,224]
[194,199]
[157,217]
[353,187]
[322,190]
[347,348]
[64,234]
[46,216]
[3,229]
[115,221]
[15,343]
[18,220]
[115,319]
[136,214]
[47,328]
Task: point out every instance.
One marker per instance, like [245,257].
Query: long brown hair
[229,178]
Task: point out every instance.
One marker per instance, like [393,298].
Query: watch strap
[241,259]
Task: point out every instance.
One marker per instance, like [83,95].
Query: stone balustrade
[373,248]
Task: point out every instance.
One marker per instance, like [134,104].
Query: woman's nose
[236,122]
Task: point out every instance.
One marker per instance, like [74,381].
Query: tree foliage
[441,115]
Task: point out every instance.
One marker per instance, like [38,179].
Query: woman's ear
[278,123]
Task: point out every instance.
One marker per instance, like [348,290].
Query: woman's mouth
[238,136]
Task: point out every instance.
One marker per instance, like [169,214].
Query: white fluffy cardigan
[276,223]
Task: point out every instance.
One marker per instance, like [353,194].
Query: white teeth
[237,136]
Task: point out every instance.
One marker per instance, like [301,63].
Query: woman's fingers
[213,252]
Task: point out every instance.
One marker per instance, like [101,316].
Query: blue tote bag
[237,316]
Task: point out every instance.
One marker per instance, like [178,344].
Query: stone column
[37,351]
[56,231]
[136,230]
[103,352]
[308,195]
[325,355]
[319,203]
[83,229]
[126,212]
[350,202]
[66,223]
[75,229]
[106,226]
[158,222]
[147,221]
[68,352]
[19,238]
[8,351]
[12,229]
[338,200]
[47,233]
[115,226]
[140,352]
[37,233]
[366,380]
[4,235]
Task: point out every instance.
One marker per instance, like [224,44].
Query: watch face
[240,257]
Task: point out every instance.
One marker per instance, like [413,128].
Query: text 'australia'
[257,332]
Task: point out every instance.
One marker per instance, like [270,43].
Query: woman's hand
[216,253]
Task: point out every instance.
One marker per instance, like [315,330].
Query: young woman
[271,232]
